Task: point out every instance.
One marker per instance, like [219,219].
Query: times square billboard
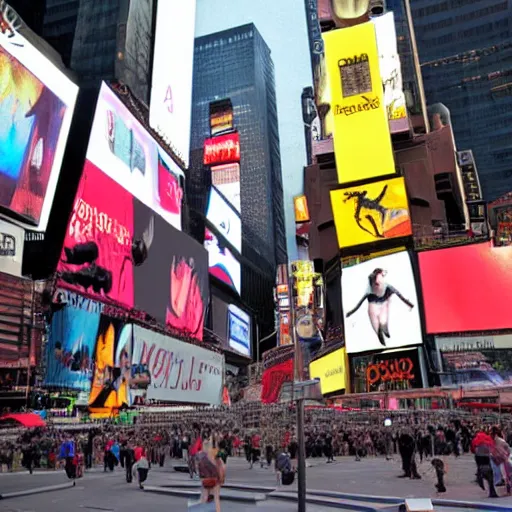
[123,244]
[37,101]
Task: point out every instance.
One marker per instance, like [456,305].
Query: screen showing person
[380,304]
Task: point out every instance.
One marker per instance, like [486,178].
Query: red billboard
[467,288]
[224,149]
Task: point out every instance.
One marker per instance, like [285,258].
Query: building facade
[465,49]
[236,64]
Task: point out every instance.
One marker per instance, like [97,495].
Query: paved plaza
[372,476]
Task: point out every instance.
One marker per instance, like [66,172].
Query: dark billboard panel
[388,371]
[171,273]
[36,106]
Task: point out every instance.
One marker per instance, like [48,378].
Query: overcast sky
[282,24]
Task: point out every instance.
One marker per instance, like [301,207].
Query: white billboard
[179,371]
[225,219]
[12,239]
[173,63]
[122,148]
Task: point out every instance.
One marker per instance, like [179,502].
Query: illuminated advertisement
[71,346]
[178,371]
[357,102]
[225,219]
[12,241]
[300,204]
[469,174]
[36,106]
[122,148]
[239,330]
[380,305]
[390,370]
[451,304]
[391,72]
[371,212]
[173,61]
[332,371]
[223,264]
[226,179]
[224,149]
[117,249]
[221,117]
[480,361]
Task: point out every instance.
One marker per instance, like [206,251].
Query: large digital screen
[380,304]
[371,213]
[475,361]
[357,103]
[170,108]
[391,72]
[239,330]
[36,106]
[332,371]
[117,249]
[223,264]
[225,219]
[223,149]
[226,179]
[119,364]
[467,288]
[122,148]
[390,370]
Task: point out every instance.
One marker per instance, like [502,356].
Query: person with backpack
[211,471]
[284,472]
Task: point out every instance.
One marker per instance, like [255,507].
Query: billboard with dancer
[372,212]
[380,304]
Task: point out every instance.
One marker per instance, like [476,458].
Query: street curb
[234,486]
[319,500]
[255,498]
[36,490]
[291,496]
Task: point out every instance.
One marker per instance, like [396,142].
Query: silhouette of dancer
[362,201]
[378,295]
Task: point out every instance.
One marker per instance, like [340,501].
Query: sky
[282,24]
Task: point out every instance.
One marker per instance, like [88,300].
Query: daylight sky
[282,24]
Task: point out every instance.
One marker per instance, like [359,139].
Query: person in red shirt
[196,447]
[255,449]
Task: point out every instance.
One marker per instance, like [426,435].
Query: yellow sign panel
[362,142]
[332,371]
[371,212]
[300,204]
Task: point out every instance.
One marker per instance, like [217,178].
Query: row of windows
[486,28]
[503,6]
[223,41]
[443,6]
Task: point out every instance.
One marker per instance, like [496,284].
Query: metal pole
[299,402]
[417,67]
[301,476]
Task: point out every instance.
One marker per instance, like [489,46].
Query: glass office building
[236,64]
[465,49]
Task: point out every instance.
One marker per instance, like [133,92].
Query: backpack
[287,477]
[205,467]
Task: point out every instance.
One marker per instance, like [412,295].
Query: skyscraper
[236,64]
[465,49]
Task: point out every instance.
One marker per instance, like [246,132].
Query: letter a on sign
[168,100]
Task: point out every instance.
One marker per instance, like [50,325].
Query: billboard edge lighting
[65,91]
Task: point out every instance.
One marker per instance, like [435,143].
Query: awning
[28,419]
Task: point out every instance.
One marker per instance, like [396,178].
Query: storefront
[391,370]
[479,361]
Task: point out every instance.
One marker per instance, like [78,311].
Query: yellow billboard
[372,212]
[362,142]
[332,371]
